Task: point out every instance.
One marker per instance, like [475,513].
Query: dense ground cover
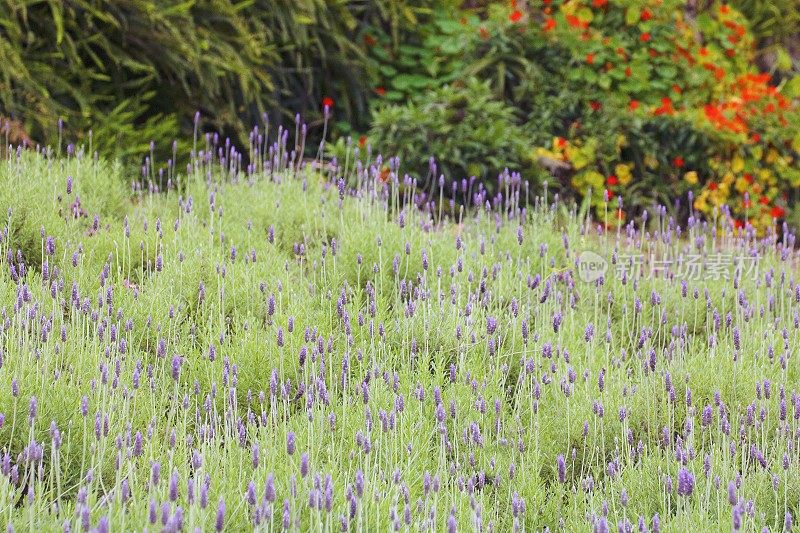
[269,347]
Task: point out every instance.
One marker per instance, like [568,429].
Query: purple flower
[304,464]
[173,486]
[220,522]
[155,473]
[685,482]
[562,468]
[290,443]
[269,489]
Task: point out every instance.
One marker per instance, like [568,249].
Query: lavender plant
[273,347]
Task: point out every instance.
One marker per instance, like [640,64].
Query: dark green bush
[461,125]
[136,70]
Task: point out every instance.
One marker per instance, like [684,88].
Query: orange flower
[483,32]
[574,21]
[633,105]
[748,178]
[628,72]
[590,58]
[703,51]
[645,37]
[362,141]
[599,3]
[515,16]
[561,141]
[777,212]
[724,9]
[763,200]
[381,91]
[549,24]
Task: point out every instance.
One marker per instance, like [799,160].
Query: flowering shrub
[261,347]
[643,101]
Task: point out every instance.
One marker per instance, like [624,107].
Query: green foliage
[462,126]
[112,65]
[136,70]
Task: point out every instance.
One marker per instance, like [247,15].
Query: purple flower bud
[562,468]
[685,482]
[220,522]
[290,443]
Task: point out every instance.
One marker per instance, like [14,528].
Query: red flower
[665,108]
[738,224]
[763,200]
[645,37]
[748,178]
[633,105]
[561,141]
[549,24]
[484,33]
[381,91]
[612,180]
[327,102]
[362,141]
[599,3]
[515,16]
[628,72]
[590,58]
[369,40]
[646,15]
[755,138]
[595,105]
[777,212]
[724,9]
[712,186]
[678,162]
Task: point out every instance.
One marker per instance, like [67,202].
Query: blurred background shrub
[646,100]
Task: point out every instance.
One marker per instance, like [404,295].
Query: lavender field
[268,347]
